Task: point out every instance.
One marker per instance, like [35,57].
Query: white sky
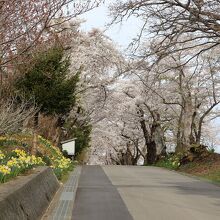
[120,34]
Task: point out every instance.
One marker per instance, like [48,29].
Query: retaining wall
[27,197]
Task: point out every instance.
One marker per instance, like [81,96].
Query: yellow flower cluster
[20,153]
[58,161]
[2,156]
[13,162]
[2,138]
[25,161]
[5,169]
[18,163]
[63,163]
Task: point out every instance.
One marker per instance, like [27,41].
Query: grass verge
[207,167]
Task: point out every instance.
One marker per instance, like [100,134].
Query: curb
[62,205]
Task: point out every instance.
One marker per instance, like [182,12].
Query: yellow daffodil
[5,169]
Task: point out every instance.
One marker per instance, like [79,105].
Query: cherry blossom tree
[25,24]
[189,94]
[190,23]
[95,56]
[118,134]
[179,43]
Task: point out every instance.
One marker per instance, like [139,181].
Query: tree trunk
[184,133]
[35,135]
[155,140]
[157,135]
[150,157]
[151,153]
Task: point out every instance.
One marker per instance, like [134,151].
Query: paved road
[97,198]
[147,193]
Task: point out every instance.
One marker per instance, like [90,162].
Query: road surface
[143,193]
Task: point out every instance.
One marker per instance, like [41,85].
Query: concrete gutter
[27,197]
[61,207]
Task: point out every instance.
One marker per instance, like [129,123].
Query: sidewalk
[61,207]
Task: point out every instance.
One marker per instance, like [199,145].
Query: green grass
[213,176]
[204,169]
[64,177]
[189,166]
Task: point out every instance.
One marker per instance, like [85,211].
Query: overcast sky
[120,34]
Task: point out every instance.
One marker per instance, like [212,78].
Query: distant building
[69,146]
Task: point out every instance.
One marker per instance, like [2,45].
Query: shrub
[172,161]
[48,82]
